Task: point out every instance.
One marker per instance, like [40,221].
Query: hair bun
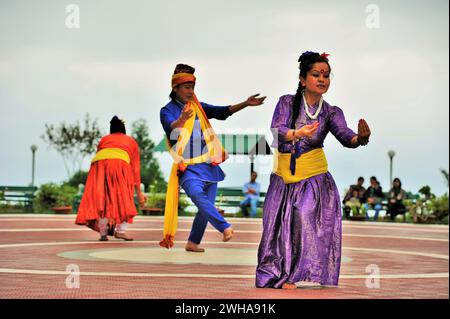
[307,55]
[115,119]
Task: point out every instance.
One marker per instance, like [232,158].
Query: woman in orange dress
[107,205]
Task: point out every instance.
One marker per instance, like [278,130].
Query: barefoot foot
[228,234]
[289,286]
[190,246]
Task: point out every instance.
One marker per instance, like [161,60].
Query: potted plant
[155,204]
[62,206]
[52,197]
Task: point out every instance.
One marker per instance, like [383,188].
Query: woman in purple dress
[301,240]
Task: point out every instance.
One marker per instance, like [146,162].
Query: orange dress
[110,185]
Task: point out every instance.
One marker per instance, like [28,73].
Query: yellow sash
[111,153]
[216,155]
[308,164]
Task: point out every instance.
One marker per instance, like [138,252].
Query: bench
[226,197]
[384,212]
[229,197]
[19,194]
[232,196]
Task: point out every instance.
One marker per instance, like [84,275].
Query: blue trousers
[203,194]
[249,201]
[377,208]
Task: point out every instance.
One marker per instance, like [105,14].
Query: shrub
[158,200]
[78,178]
[439,208]
[51,195]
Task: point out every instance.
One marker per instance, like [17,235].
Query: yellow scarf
[308,164]
[216,155]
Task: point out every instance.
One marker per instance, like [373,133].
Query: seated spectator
[251,196]
[396,197]
[374,196]
[351,197]
[353,204]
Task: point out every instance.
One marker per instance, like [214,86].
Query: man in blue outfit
[251,196]
[199,181]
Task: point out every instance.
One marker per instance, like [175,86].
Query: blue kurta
[197,145]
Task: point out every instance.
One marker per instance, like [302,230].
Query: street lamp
[33,150]
[391,155]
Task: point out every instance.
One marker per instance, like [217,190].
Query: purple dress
[302,224]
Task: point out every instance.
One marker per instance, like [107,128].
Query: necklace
[313,117]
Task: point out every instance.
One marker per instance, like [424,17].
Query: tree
[78,178]
[73,142]
[150,171]
[445,173]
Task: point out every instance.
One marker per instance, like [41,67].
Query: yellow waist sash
[308,164]
[111,153]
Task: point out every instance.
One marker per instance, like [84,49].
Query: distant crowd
[358,197]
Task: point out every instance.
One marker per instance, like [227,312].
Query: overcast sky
[120,60]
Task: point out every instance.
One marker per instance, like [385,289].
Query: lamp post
[391,155]
[33,150]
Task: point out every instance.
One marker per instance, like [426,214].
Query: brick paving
[412,261]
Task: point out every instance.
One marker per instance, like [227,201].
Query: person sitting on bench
[396,197]
[374,196]
[351,198]
[251,196]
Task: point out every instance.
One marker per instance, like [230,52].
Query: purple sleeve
[339,128]
[280,120]
[216,112]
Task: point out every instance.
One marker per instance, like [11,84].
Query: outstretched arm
[253,100]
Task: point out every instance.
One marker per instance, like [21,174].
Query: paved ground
[38,253]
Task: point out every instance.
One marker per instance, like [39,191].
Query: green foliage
[445,174]
[430,209]
[12,208]
[78,178]
[73,142]
[52,195]
[439,208]
[158,200]
[151,174]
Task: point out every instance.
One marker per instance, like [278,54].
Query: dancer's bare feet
[190,246]
[288,286]
[123,236]
[228,234]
